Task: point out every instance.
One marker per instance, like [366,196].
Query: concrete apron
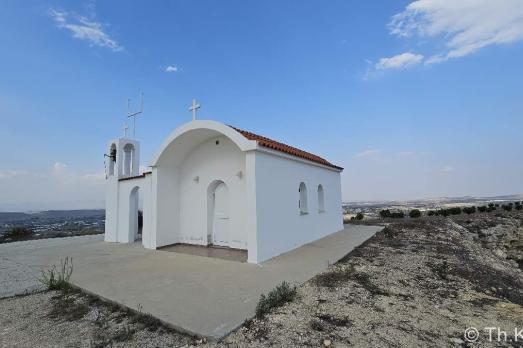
[198,295]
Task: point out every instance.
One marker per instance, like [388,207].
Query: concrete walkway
[199,295]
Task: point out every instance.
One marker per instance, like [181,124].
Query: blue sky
[414,98]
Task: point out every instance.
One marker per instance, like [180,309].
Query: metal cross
[125,128]
[194,108]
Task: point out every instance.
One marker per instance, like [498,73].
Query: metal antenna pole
[133,115]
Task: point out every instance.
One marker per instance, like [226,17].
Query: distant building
[215,185]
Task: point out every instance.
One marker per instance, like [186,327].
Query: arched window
[112,159]
[128,159]
[303,199]
[321,199]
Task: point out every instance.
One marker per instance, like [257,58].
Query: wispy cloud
[465,26]
[86,29]
[57,183]
[5,174]
[367,153]
[407,153]
[447,169]
[400,61]
[171,69]
[59,167]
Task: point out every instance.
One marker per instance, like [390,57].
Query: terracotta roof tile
[275,145]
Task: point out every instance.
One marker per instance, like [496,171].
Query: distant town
[16,226]
[50,224]
[372,209]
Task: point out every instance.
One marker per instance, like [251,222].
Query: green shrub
[58,279]
[507,207]
[443,212]
[397,215]
[482,209]
[277,297]
[359,216]
[415,213]
[431,213]
[469,210]
[455,210]
[385,213]
[19,233]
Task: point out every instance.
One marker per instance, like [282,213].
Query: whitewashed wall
[280,226]
[179,203]
[210,162]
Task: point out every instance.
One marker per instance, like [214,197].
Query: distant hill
[8,217]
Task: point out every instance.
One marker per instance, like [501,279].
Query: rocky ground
[419,282]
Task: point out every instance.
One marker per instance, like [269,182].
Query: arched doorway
[218,214]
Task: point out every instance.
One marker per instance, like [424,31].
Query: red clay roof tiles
[275,145]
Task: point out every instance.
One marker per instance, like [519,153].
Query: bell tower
[122,160]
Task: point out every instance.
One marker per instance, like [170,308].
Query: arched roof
[213,129]
[246,141]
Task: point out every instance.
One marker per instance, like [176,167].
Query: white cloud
[464,25]
[367,153]
[85,29]
[400,61]
[171,68]
[59,168]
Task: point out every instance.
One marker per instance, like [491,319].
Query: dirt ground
[419,282]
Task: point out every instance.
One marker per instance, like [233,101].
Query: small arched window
[303,199]
[128,159]
[112,159]
[321,199]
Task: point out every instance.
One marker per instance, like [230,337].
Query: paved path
[199,295]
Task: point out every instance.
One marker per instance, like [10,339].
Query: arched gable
[199,131]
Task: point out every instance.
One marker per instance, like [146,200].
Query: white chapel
[214,185]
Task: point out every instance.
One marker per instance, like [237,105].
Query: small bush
[397,215]
[455,210]
[469,210]
[19,233]
[415,213]
[507,207]
[431,213]
[277,297]
[58,279]
[482,209]
[385,213]
[519,207]
[443,212]
[359,216]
